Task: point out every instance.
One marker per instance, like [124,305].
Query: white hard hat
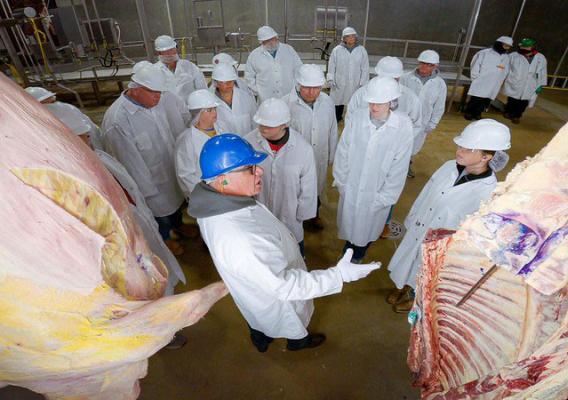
[381,90]
[151,77]
[201,98]
[164,42]
[139,65]
[39,93]
[71,119]
[485,134]
[272,112]
[310,75]
[223,58]
[429,57]
[389,66]
[224,73]
[348,31]
[265,33]
[506,40]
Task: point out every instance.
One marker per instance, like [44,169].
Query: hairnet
[499,161]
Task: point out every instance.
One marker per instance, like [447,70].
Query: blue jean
[169,222]
[358,251]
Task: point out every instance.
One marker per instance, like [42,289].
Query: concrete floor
[365,354]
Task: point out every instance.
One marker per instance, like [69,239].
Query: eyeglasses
[464,149]
[210,109]
[251,168]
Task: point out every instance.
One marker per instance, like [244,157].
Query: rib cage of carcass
[81,306]
[510,338]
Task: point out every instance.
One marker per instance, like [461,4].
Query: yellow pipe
[37,34]
[183,48]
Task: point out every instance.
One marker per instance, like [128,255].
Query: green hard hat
[527,42]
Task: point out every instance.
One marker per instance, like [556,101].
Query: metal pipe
[187,18]
[467,44]
[169,14]
[518,18]
[83,39]
[285,21]
[405,53]
[93,42]
[557,70]
[75,93]
[145,31]
[366,23]
[325,22]
[103,38]
[265,12]
[458,44]
[336,18]
[13,55]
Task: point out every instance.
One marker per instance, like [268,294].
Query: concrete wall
[428,20]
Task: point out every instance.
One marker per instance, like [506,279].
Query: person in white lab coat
[137,133]
[454,191]
[289,182]
[370,167]
[408,102]
[176,111]
[527,77]
[313,116]
[236,105]
[49,98]
[224,58]
[256,255]
[184,77]
[489,68]
[431,89]
[347,71]
[203,106]
[272,66]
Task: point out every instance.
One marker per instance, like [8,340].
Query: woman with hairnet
[224,58]
[203,107]
[348,70]
[370,167]
[454,191]
[236,105]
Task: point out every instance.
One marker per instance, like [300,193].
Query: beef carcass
[81,306]
[510,338]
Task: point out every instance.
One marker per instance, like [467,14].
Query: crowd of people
[250,157]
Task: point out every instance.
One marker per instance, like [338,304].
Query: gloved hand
[353,272]
[538,90]
[332,84]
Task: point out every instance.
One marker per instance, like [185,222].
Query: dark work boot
[308,342]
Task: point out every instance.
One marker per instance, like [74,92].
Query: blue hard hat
[226,152]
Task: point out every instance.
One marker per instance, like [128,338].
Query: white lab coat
[319,127]
[145,220]
[408,103]
[370,170]
[289,183]
[269,76]
[525,78]
[188,148]
[238,117]
[186,78]
[142,141]
[348,71]
[439,205]
[259,260]
[488,71]
[94,131]
[177,113]
[432,96]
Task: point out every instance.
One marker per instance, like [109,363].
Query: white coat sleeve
[364,69]
[199,81]
[439,107]
[186,170]
[262,263]
[297,62]
[125,151]
[333,138]
[415,116]
[390,191]
[250,75]
[541,73]
[331,66]
[476,62]
[341,160]
[308,198]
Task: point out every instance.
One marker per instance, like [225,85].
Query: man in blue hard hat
[255,254]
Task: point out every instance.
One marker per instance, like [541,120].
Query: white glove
[353,272]
[331,84]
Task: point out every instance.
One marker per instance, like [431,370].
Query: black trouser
[260,340]
[476,106]
[339,112]
[358,251]
[169,222]
[515,108]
